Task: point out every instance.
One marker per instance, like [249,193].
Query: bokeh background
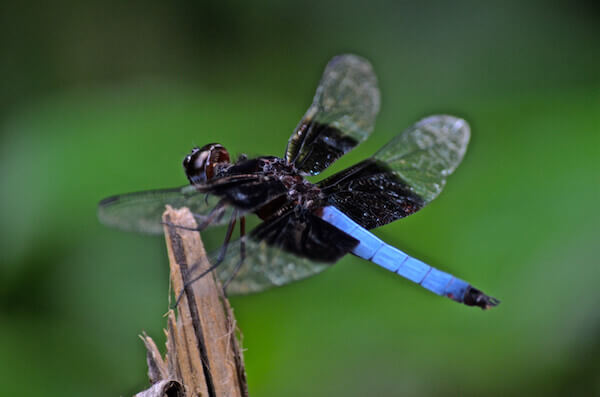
[107,97]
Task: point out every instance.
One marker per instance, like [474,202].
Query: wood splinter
[203,354]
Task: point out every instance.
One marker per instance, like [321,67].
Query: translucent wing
[424,155]
[284,249]
[142,211]
[401,177]
[341,116]
[265,266]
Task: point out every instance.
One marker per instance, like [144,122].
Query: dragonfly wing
[427,153]
[282,250]
[371,194]
[264,267]
[403,176]
[142,211]
[341,116]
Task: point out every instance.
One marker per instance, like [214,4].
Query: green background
[105,98]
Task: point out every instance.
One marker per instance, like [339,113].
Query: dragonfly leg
[242,254]
[219,260]
[214,214]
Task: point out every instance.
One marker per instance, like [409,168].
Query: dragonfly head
[200,164]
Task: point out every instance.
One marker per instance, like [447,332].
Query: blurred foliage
[103,98]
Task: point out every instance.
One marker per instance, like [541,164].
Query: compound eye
[219,155]
[195,165]
[201,161]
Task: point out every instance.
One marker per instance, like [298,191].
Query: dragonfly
[306,227]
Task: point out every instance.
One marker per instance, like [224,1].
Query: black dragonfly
[306,227]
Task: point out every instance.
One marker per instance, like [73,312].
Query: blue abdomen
[375,250]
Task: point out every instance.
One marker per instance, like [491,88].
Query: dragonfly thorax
[300,192]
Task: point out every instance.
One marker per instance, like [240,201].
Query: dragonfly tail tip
[474,297]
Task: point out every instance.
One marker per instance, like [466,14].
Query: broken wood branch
[203,354]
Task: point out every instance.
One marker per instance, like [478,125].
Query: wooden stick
[203,354]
